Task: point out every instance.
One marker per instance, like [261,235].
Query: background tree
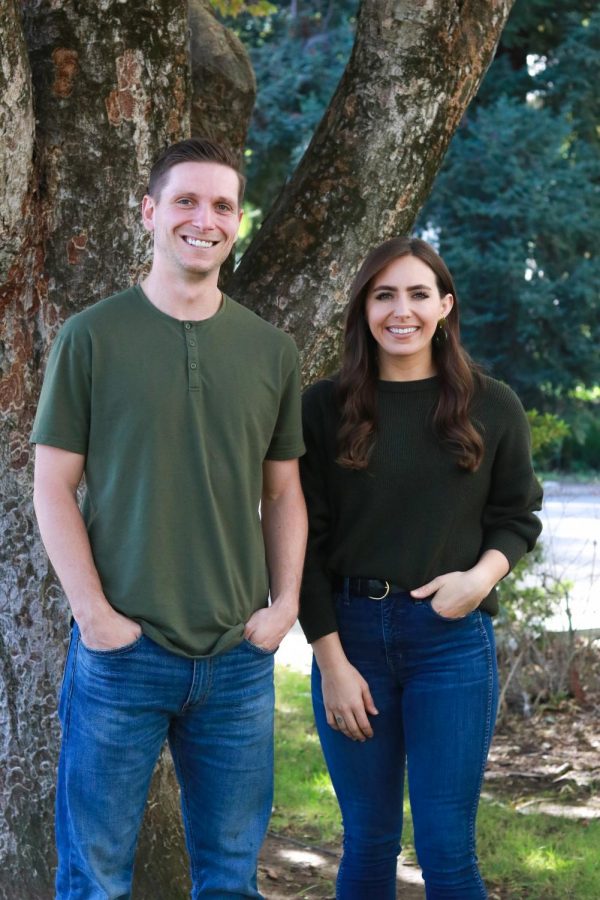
[516,208]
[89,93]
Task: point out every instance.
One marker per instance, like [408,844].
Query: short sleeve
[63,414]
[287,442]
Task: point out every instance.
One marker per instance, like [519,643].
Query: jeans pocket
[260,651]
[428,605]
[113,651]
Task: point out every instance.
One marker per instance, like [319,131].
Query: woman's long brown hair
[359,373]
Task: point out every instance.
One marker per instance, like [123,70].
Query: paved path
[571,541]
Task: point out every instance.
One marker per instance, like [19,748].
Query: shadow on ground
[291,869]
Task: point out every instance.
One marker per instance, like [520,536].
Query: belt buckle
[383,596]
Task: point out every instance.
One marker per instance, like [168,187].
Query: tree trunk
[110,87]
[414,68]
[105,85]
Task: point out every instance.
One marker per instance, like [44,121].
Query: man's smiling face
[195,218]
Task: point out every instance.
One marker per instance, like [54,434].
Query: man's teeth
[403,330]
[195,242]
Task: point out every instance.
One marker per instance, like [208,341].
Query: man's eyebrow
[220,199]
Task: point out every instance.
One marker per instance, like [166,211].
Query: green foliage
[235,8]
[547,435]
[581,449]
[516,206]
[522,249]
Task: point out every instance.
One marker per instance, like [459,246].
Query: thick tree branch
[223,82]
[414,68]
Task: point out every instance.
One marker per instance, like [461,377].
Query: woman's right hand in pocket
[348,701]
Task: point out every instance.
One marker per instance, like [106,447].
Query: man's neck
[196,299]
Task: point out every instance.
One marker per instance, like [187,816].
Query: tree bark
[223,82]
[414,68]
[110,86]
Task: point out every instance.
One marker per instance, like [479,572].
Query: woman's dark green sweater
[413,513]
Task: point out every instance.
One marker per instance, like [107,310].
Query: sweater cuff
[317,626]
[512,545]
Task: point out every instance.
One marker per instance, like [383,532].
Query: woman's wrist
[489,570]
[329,652]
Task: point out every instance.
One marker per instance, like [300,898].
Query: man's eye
[184,201]
[223,207]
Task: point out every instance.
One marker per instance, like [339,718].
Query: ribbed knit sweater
[413,513]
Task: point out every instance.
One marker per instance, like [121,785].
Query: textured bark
[414,68]
[111,86]
[16,135]
[220,62]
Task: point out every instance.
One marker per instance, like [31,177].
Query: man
[182,410]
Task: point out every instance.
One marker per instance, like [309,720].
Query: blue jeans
[434,682]
[116,709]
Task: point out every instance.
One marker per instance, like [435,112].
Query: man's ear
[148,207]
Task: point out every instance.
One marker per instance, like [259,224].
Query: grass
[534,857]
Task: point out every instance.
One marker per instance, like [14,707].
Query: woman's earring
[440,335]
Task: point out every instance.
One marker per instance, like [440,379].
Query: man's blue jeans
[116,710]
[434,682]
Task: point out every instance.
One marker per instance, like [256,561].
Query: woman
[420,493]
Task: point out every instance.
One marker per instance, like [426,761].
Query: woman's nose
[401,306]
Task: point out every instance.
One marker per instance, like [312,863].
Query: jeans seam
[185,803]
[388,662]
[487,740]
[66,728]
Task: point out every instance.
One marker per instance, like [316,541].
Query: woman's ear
[447,304]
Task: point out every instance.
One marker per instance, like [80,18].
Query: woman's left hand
[456,594]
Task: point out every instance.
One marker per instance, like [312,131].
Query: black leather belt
[373,588]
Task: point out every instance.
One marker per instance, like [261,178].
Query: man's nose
[203,217]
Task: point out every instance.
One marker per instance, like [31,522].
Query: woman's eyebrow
[391,287]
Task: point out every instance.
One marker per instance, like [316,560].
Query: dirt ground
[549,763]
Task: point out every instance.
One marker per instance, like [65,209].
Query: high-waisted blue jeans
[117,708]
[434,682]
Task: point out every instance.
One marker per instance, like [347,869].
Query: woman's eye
[420,295]
[384,295]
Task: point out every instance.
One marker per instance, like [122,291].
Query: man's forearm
[67,545]
[285,528]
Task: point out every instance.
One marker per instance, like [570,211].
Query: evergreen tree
[516,207]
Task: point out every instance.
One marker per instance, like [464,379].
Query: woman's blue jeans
[117,708]
[434,682]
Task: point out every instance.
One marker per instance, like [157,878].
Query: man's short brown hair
[193,150]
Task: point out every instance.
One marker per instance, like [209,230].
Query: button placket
[193,362]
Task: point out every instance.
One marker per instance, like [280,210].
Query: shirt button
[187,326]
[191,342]
[193,365]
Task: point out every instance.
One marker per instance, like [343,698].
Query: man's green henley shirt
[175,420]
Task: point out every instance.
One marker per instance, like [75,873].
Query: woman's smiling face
[403,308]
